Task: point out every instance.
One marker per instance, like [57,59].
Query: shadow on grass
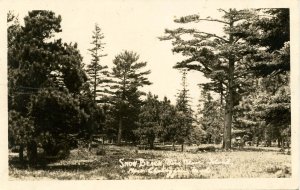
[48,164]
[236,149]
[258,149]
[80,160]
[68,167]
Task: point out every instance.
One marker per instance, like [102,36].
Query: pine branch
[211,35]
[214,20]
[196,18]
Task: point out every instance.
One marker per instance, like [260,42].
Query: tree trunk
[151,140]
[282,143]
[173,145]
[120,132]
[182,147]
[229,97]
[229,107]
[223,139]
[279,142]
[21,153]
[90,143]
[95,77]
[151,145]
[91,133]
[32,153]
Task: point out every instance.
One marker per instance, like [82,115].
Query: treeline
[55,101]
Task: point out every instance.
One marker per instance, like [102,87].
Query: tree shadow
[256,149]
[49,165]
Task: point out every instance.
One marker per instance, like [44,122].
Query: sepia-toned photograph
[152,90]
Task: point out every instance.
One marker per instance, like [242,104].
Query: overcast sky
[136,27]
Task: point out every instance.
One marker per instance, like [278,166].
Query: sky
[136,27]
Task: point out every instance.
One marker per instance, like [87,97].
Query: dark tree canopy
[46,79]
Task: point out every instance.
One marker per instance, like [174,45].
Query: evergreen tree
[224,59]
[183,119]
[56,115]
[266,110]
[167,115]
[71,69]
[98,74]
[20,131]
[45,79]
[30,58]
[274,36]
[210,117]
[30,62]
[270,118]
[183,96]
[148,125]
[128,78]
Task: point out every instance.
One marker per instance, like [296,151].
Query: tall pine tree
[98,73]
[224,59]
[128,77]
[183,118]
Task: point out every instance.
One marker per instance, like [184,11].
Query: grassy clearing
[128,163]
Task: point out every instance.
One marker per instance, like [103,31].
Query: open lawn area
[130,163]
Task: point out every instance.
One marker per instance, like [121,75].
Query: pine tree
[274,36]
[45,79]
[223,59]
[167,121]
[127,78]
[98,74]
[269,118]
[183,96]
[149,121]
[210,117]
[183,118]
[266,110]
[71,69]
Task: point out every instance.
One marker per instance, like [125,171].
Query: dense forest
[57,103]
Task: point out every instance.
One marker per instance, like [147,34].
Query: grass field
[130,163]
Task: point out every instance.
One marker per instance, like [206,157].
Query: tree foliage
[184,117]
[45,78]
[128,77]
[149,126]
[98,73]
[223,59]
[210,118]
[273,27]
[266,108]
